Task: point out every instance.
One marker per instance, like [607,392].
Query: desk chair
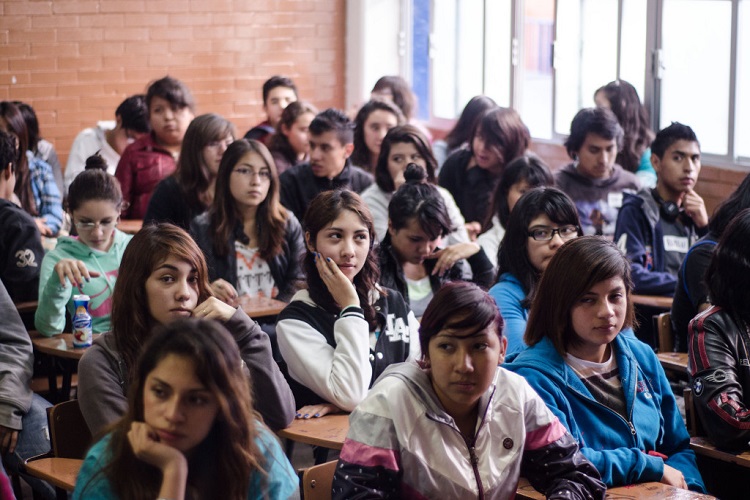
[664,333]
[317,481]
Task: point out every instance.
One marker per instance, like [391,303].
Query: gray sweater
[16,364]
[103,378]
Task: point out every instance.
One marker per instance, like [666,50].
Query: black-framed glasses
[544,233]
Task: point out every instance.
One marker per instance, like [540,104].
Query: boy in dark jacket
[656,227]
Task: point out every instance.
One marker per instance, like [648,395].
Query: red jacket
[142,165]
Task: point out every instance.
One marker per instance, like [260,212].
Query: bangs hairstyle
[729,272]
[279,142]
[226,219]
[528,168]
[403,97]
[403,134]
[667,136]
[361,156]
[335,120]
[459,305]
[513,255]
[420,200]
[577,266]
[150,247]
[226,459]
[597,121]
[503,130]
[133,113]
[94,183]
[474,109]
[277,81]
[322,211]
[191,173]
[16,126]
[172,90]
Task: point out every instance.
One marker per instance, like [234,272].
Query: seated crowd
[470,307]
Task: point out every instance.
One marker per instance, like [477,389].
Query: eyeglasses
[246,172]
[220,144]
[89,226]
[543,233]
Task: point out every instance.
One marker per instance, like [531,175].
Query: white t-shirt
[86,143]
[253,273]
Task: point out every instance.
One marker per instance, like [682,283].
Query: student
[410,258]
[189,431]
[471,174]
[166,279]
[373,121]
[691,292]
[109,138]
[278,93]
[290,145]
[329,167]
[41,148]
[656,227]
[422,427]
[35,182]
[460,134]
[594,181]
[153,157]
[543,219]
[21,251]
[635,153]
[252,244]
[395,89]
[89,263]
[401,146]
[522,174]
[719,341]
[23,414]
[188,192]
[604,385]
[339,334]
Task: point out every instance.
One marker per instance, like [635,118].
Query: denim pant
[32,440]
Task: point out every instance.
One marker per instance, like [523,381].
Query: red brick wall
[74,61]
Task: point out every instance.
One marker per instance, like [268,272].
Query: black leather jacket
[720,376]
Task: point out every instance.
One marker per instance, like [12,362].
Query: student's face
[172,290]
[212,153]
[401,154]
[411,243]
[486,154]
[298,135]
[250,181]
[462,368]
[169,124]
[327,155]
[278,99]
[104,215]
[176,404]
[597,317]
[597,157]
[540,252]
[678,170]
[376,126]
[515,192]
[346,241]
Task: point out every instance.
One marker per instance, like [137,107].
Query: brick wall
[74,61]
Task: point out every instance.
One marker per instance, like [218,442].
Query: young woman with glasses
[542,220]
[89,263]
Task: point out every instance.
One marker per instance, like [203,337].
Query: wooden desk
[328,431]
[27,307]
[60,472]
[703,446]
[642,490]
[58,346]
[259,307]
[674,361]
[130,226]
[655,301]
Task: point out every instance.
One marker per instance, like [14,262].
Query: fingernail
[88,279]
[316,415]
[328,259]
[307,415]
[298,415]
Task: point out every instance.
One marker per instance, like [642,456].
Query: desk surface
[642,491]
[130,226]
[656,301]
[258,307]
[674,361]
[59,345]
[328,431]
[60,472]
[705,447]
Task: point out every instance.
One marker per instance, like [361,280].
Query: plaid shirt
[46,195]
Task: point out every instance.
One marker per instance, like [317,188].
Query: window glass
[695,85]
[536,62]
[497,62]
[470,47]
[633,44]
[742,111]
[443,58]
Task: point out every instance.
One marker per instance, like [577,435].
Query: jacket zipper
[473,458]
[629,422]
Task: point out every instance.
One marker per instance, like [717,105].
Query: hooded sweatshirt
[597,200]
[54,299]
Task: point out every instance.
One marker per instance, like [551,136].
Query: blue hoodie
[618,448]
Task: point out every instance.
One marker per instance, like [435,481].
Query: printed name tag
[614,200]
[676,244]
